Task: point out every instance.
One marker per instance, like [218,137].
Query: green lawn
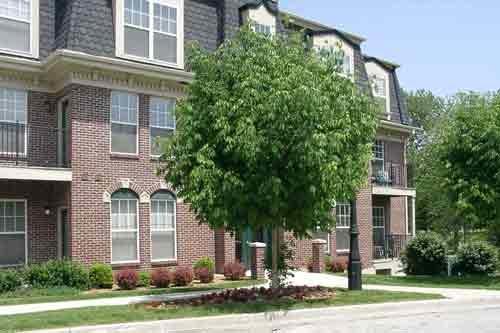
[30,296]
[477,282]
[119,314]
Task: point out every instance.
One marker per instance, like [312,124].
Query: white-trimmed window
[124,120]
[19,27]
[151,30]
[378,226]
[262,28]
[163,236]
[124,227]
[346,65]
[378,159]
[162,122]
[13,241]
[380,92]
[343,226]
[13,116]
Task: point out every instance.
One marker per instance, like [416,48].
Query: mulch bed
[249,295]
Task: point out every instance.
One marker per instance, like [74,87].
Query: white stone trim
[395,192]
[106,197]
[319,241]
[33,173]
[257,245]
[144,198]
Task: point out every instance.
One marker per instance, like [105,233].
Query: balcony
[392,179]
[390,246]
[34,152]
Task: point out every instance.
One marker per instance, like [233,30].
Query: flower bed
[249,295]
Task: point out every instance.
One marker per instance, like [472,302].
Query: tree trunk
[275,281]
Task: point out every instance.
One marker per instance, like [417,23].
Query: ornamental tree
[268,136]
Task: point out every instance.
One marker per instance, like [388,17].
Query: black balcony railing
[392,247]
[392,175]
[23,144]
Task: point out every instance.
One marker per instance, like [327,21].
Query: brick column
[318,255]
[257,265]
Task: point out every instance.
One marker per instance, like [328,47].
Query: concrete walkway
[329,280]
[299,279]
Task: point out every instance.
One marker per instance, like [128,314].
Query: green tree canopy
[268,135]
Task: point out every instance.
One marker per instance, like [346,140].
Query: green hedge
[57,274]
[425,255]
[478,258]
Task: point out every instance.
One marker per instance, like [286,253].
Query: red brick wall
[42,229]
[95,171]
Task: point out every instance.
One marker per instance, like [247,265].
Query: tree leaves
[268,135]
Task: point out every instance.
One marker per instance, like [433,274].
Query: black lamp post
[354,269]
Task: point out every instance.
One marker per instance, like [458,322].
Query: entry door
[379,230]
[63,231]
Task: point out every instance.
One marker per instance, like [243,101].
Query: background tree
[268,136]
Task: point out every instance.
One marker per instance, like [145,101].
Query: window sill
[342,252]
[172,262]
[125,156]
[126,264]
[149,61]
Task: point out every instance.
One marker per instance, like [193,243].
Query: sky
[444,46]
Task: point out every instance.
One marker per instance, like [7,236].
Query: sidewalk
[299,279]
[329,280]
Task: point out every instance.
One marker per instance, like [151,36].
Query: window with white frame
[262,28]
[163,236]
[380,92]
[124,120]
[13,116]
[162,122]
[378,226]
[343,226]
[12,232]
[378,159]
[19,26]
[151,30]
[124,227]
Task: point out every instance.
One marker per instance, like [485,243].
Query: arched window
[124,227]
[163,237]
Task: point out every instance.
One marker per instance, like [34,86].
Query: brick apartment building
[86,87]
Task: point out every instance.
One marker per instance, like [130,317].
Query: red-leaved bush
[127,279]
[337,267]
[204,274]
[183,276]
[234,271]
[161,278]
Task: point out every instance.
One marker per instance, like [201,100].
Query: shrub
[337,266]
[127,279]
[10,280]
[205,262]
[204,274]
[204,270]
[101,276]
[425,255]
[234,271]
[54,273]
[183,276]
[328,262]
[144,279]
[477,258]
[161,278]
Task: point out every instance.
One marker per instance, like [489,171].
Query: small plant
[183,276]
[101,276]
[10,280]
[127,279]
[234,271]
[144,279]
[328,262]
[58,273]
[477,258]
[204,270]
[337,266]
[204,274]
[161,278]
[425,255]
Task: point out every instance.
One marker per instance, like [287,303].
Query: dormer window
[380,92]
[260,19]
[19,27]
[262,28]
[151,30]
